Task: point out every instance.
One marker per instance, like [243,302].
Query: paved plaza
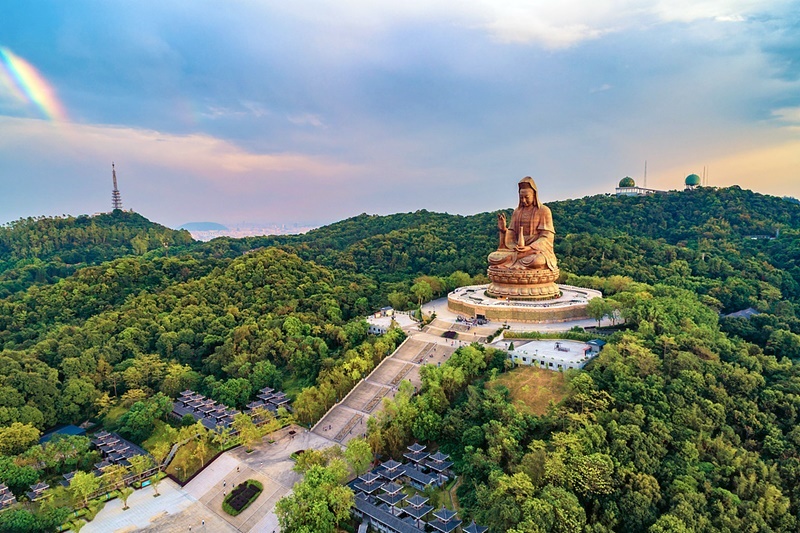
[444,314]
[143,510]
[199,503]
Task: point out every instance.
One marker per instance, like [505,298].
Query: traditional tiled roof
[417,475]
[445,515]
[445,527]
[366,488]
[417,500]
[390,475]
[369,477]
[439,466]
[389,521]
[416,457]
[439,457]
[392,488]
[391,464]
[392,498]
[446,520]
[417,512]
[416,447]
[474,528]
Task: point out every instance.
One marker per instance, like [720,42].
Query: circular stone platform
[473,300]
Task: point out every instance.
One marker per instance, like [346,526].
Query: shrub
[242,496]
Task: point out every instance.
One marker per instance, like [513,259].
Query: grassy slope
[533,388]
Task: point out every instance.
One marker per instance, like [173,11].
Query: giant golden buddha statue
[524,265]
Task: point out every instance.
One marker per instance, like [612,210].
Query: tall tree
[358,455]
[248,432]
[17,438]
[83,484]
[318,503]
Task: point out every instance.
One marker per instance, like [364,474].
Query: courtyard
[199,503]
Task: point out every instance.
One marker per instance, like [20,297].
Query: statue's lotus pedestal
[523,284]
[475,301]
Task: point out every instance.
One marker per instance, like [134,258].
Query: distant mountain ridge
[203,226]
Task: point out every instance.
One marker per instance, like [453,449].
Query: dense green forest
[687,420]
[674,427]
[43,250]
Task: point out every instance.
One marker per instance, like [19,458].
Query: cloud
[207,157]
[549,24]
[306,119]
[787,115]
[719,10]
[730,18]
[601,88]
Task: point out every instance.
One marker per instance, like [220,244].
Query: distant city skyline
[316,111]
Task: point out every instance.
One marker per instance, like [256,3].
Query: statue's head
[528,194]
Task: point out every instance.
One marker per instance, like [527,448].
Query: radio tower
[116,199]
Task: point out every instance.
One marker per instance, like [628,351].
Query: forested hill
[675,217]
[265,318]
[702,240]
[697,240]
[44,249]
[679,216]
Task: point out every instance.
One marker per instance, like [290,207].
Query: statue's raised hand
[501,221]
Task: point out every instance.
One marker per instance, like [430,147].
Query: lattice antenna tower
[116,199]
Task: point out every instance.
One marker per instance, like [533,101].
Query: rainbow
[29,86]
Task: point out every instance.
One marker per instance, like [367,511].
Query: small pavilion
[416,453]
[446,520]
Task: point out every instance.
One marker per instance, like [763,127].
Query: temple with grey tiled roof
[382,502]
[7,498]
[37,491]
[115,450]
[391,470]
[215,416]
[445,520]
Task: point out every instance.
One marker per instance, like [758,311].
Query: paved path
[211,476]
[348,418]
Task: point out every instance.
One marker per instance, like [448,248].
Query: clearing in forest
[533,387]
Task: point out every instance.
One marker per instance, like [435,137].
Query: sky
[314,111]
